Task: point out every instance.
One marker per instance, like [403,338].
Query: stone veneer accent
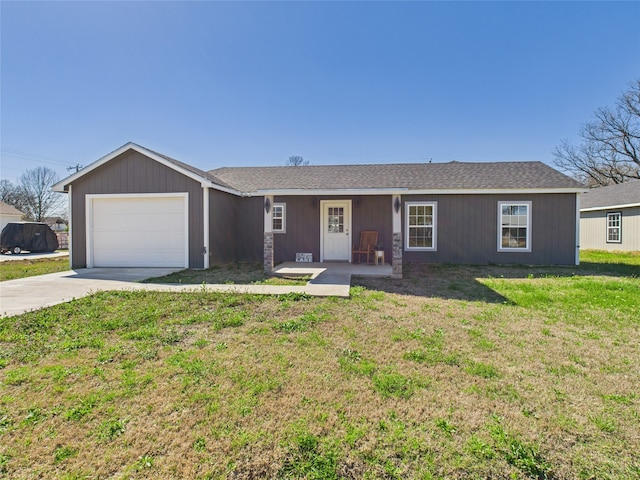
[396,254]
[268,252]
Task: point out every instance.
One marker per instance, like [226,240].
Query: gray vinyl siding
[593,230]
[303,223]
[133,172]
[224,209]
[236,228]
[250,230]
[467,230]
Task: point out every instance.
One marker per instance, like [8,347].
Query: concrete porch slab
[315,269]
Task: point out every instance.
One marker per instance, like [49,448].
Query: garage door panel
[139,231]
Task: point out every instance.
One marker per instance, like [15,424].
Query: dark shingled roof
[189,168]
[621,194]
[412,176]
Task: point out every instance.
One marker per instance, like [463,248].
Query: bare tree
[40,200]
[297,161]
[610,150]
[12,195]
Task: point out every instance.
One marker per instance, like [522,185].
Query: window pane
[514,223]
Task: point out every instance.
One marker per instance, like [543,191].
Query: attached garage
[143,230]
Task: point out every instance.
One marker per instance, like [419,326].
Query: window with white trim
[279,220]
[614,227]
[420,225]
[514,226]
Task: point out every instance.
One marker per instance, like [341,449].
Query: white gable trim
[205,182]
[610,207]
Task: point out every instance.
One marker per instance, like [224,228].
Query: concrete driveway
[32,293]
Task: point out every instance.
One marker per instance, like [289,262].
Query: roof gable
[622,194]
[192,172]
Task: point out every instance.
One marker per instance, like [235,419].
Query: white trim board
[610,207]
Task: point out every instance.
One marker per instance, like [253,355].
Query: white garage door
[137,231]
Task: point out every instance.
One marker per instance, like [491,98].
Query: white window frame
[617,228]
[275,217]
[434,226]
[527,248]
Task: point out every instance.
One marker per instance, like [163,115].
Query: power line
[8,152]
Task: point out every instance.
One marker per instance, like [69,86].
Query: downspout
[577,262]
[205,222]
[69,230]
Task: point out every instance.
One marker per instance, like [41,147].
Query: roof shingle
[412,176]
[621,194]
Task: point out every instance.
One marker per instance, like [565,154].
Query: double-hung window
[614,227]
[279,223]
[514,226]
[420,224]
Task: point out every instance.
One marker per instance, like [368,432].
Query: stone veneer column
[268,252]
[396,255]
[396,236]
[268,235]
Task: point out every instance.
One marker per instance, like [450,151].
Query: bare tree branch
[40,200]
[297,161]
[610,150]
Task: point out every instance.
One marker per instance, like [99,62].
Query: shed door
[137,231]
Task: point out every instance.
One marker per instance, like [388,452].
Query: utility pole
[76,167]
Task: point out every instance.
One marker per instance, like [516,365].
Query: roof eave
[409,191]
[328,191]
[610,207]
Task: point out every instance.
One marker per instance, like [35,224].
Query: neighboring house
[136,207]
[57,224]
[610,217]
[9,214]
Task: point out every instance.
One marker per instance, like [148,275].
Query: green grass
[15,269]
[518,372]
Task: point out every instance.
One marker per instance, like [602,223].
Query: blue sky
[242,83]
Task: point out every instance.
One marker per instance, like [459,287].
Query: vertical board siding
[593,230]
[250,230]
[223,213]
[133,172]
[467,230]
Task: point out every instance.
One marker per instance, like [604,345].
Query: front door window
[335,219]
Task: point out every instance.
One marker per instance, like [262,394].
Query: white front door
[335,230]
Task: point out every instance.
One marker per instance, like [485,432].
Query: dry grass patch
[230,273]
[448,373]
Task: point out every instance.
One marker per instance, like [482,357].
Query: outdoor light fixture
[396,204]
[314,202]
[267,204]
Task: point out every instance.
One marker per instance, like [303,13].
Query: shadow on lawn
[460,282]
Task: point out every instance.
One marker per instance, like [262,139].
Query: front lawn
[14,269]
[451,372]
